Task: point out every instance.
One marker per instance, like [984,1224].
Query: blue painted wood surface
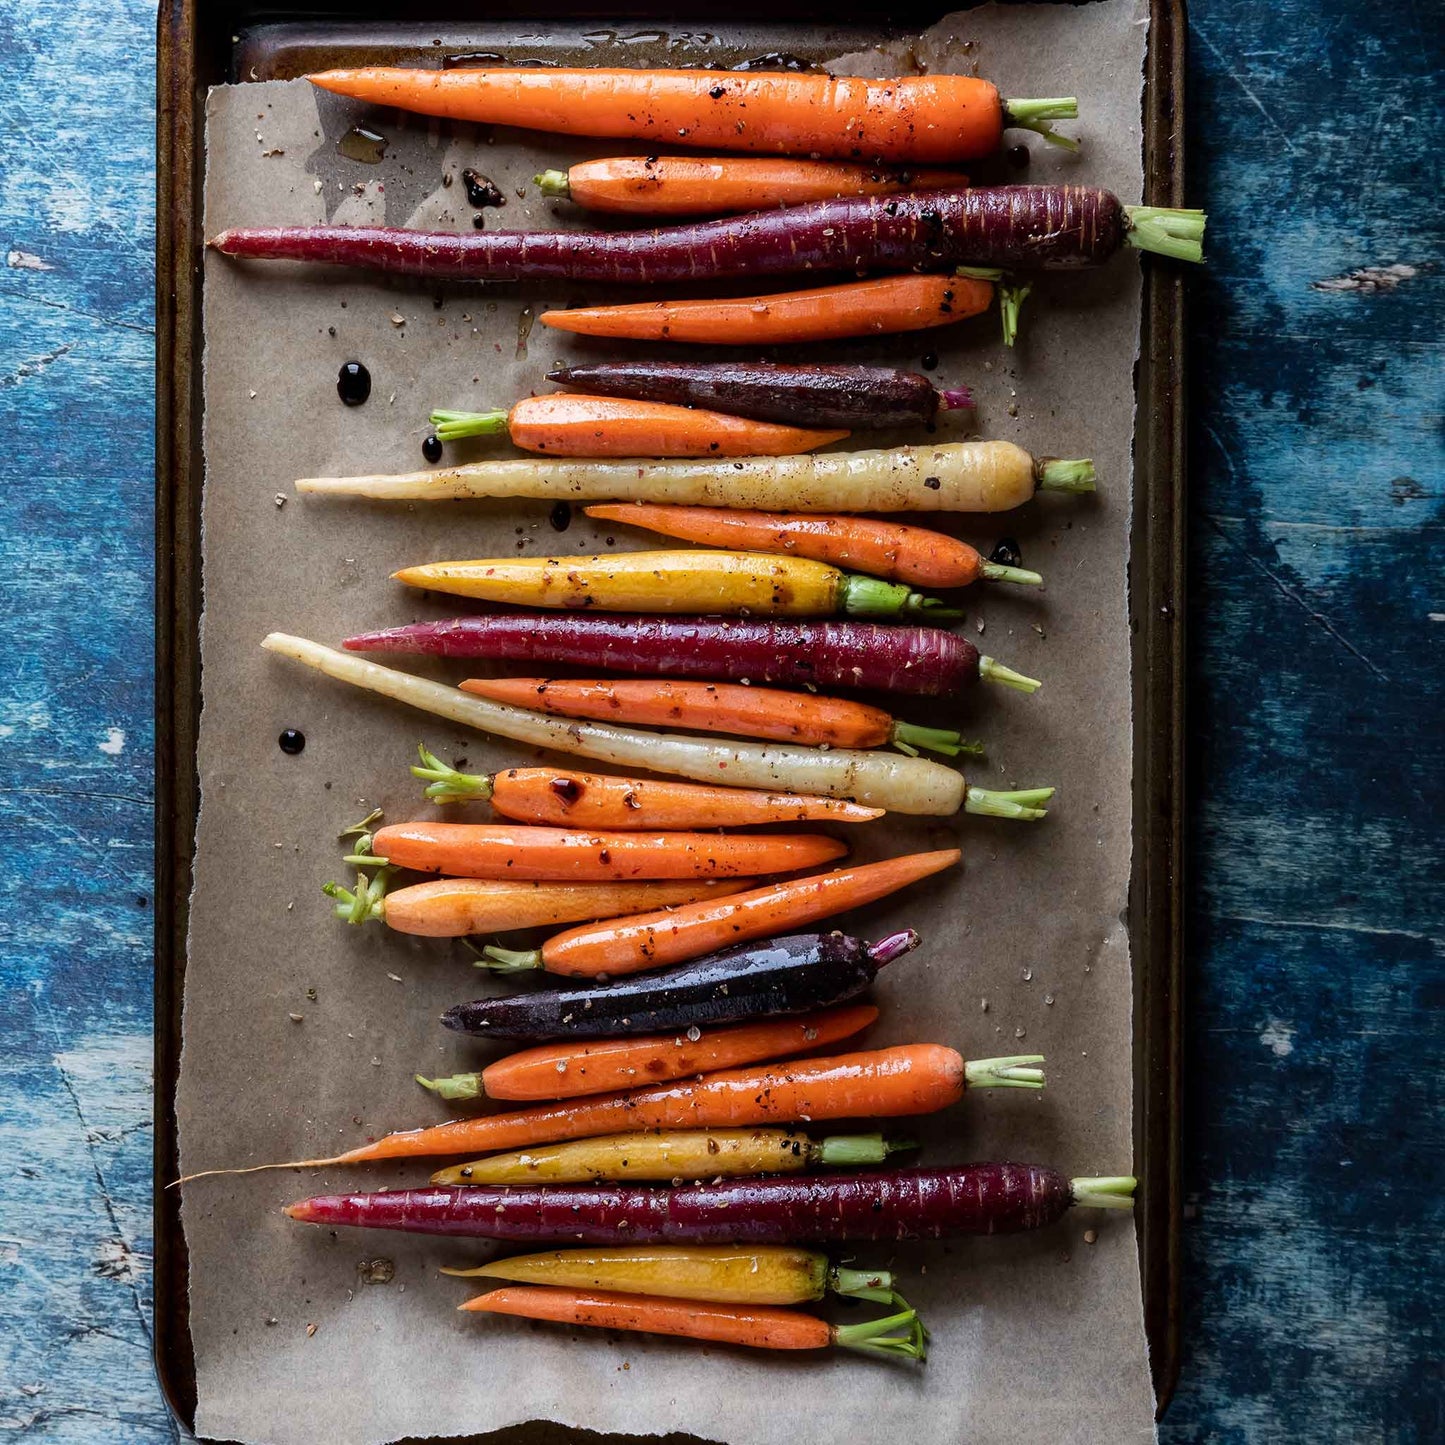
[1317,919]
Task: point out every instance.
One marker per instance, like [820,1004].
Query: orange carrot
[864,544]
[765,1327]
[876,1084]
[655,940]
[721,707]
[456,907]
[564,796]
[568,1070]
[934,118]
[693,186]
[486,850]
[827,313]
[564,425]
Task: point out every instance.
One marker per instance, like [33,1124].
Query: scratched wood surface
[1317,918]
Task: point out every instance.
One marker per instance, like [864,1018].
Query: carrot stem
[1168,231]
[454,426]
[1031,115]
[860,596]
[900,1334]
[367,902]
[1021,804]
[1109,1192]
[552,184]
[997,572]
[849,1151]
[910,738]
[454,1086]
[1055,474]
[869,1284]
[1010,303]
[1013,1072]
[991,670]
[508,960]
[956,397]
[448,785]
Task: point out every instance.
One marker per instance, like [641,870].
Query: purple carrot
[798,974]
[809,396]
[1015,227]
[924,661]
[907,1204]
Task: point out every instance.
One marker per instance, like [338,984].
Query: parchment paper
[301,1035]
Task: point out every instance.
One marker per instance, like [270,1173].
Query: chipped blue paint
[1317,939]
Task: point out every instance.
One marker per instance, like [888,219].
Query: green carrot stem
[1168,231]
[997,572]
[991,670]
[979,273]
[1014,1072]
[553,184]
[453,426]
[1055,474]
[367,902]
[508,960]
[870,597]
[1010,303]
[910,738]
[1022,804]
[447,785]
[454,1086]
[1031,115]
[883,1337]
[869,1284]
[1109,1192]
[850,1150]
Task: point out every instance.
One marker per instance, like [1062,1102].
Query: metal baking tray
[202,44]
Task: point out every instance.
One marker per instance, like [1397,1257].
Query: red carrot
[901,1204]
[1012,227]
[922,661]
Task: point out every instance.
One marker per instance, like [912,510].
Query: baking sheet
[1043,1331]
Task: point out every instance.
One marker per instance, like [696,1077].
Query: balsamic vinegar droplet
[1018,156]
[560,516]
[292,740]
[1007,553]
[482,191]
[431,448]
[930,361]
[353,383]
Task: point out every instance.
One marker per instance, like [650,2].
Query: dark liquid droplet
[930,361]
[362,145]
[353,383]
[1007,553]
[1018,156]
[291,741]
[481,190]
[567,789]
[524,330]
[431,448]
[560,516]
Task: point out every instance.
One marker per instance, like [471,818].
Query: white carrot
[953,477]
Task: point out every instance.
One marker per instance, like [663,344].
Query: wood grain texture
[1317,959]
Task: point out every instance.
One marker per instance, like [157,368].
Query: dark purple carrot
[805,396]
[923,661]
[1014,227]
[752,981]
[906,1204]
